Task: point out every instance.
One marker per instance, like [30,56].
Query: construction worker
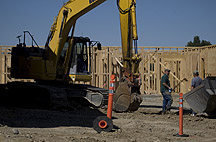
[196,81]
[166,92]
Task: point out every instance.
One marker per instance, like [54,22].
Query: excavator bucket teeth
[136,100]
[124,101]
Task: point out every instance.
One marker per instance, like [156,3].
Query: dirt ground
[146,124]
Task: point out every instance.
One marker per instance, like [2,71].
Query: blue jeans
[167,101]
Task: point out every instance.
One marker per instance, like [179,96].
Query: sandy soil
[146,124]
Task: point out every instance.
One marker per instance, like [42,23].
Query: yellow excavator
[67,59]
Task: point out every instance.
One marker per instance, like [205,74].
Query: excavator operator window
[79,63]
[82,65]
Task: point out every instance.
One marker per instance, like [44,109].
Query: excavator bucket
[203,98]
[124,100]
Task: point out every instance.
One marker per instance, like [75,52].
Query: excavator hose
[125,10]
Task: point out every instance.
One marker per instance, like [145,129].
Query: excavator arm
[128,29]
[127,96]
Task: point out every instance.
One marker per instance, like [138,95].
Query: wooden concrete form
[5,65]
[181,60]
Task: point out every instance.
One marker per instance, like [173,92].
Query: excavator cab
[80,62]
[74,63]
[75,59]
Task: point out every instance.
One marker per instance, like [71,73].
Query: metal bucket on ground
[203,98]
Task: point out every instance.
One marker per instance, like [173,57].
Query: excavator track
[52,96]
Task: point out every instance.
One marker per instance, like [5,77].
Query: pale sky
[160,22]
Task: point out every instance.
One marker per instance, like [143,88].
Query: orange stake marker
[110,99]
[181,114]
[104,123]
[180,134]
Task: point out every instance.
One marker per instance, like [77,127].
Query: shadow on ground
[185,110]
[33,109]
[19,117]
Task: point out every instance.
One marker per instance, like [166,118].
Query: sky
[159,22]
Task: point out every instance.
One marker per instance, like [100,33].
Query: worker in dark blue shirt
[196,81]
[165,91]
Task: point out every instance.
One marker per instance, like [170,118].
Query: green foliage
[197,43]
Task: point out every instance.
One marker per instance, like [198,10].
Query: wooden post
[5,66]
[141,68]
[157,72]
[199,60]
[93,67]
[100,69]
[149,63]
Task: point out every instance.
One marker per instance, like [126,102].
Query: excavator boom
[65,20]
